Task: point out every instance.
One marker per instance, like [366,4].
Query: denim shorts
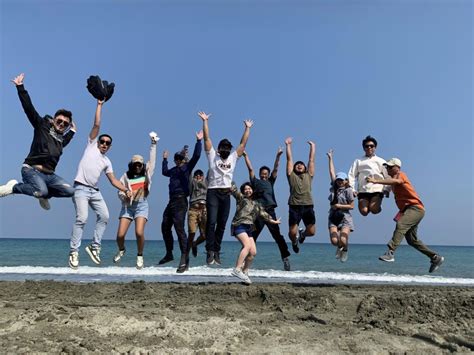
[242,228]
[135,210]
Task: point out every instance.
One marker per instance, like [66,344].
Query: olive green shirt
[300,189]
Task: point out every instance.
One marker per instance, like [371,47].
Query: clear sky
[330,71]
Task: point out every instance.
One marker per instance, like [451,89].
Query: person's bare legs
[363,207]
[251,255]
[375,204]
[246,242]
[124,224]
[140,223]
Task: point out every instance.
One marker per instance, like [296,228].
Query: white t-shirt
[92,163]
[364,167]
[220,171]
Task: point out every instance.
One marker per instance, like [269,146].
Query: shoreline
[138,316]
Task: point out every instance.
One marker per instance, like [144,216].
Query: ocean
[47,259]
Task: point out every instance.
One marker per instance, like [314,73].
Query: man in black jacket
[50,136]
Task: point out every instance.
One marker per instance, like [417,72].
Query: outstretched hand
[204,116]
[280,151]
[100,102]
[199,135]
[312,144]
[289,140]
[248,123]
[277,221]
[370,179]
[165,154]
[18,80]
[330,153]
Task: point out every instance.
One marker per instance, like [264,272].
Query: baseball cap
[137,159]
[341,175]
[393,162]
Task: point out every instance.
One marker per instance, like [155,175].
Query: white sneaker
[139,262]
[241,276]
[118,256]
[94,254]
[73,259]
[7,189]
[344,255]
[44,203]
[338,252]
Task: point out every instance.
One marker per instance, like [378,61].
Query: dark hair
[299,162]
[65,113]
[242,187]
[264,168]
[179,157]
[224,144]
[131,173]
[198,172]
[369,139]
[105,135]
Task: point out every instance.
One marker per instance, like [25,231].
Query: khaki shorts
[197,217]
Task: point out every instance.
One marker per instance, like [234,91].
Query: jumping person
[50,136]
[175,212]
[370,196]
[411,212]
[340,221]
[86,193]
[221,169]
[300,202]
[265,195]
[197,214]
[243,224]
[137,179]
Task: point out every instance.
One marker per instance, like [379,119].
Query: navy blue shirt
[179,176]
[264,193]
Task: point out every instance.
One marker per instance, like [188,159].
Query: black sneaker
[194,250]
[217,258]
[183,264]
[166,259]
[295,246]
[436,263]
[286,264]
[210,258]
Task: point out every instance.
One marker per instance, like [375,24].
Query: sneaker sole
[387,261]
[73,267]
[92,256]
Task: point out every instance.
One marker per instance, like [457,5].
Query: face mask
[224,154]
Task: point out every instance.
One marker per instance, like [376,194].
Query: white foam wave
[201,273]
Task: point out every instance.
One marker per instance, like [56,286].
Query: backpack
[100,89]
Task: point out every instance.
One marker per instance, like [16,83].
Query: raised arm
[289,156]
[332,171]
[150,166]
[243,141]
[249,166]
[353,174]
[96,126]
[312,153]
[197,151]
[164,164]
[205,129]
[70,134]
[277,163]
[26,102]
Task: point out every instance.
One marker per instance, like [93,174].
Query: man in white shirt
[86,193]
[219,179]
[370,195]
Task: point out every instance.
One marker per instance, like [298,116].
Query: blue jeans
[84,197]
[41,185]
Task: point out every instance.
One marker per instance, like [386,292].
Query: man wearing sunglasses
[86,191]
[50,136]
[370,195]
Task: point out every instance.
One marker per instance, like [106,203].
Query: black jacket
[47,145]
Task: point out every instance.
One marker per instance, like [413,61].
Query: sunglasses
[369,146]
[107,143]
[62,123]
[137,164]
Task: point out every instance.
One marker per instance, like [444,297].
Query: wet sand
[139,317]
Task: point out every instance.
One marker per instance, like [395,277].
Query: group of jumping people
[205,199]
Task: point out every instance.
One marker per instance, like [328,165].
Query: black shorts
[369,195]
[297,213]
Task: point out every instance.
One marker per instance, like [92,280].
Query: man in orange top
[410,215]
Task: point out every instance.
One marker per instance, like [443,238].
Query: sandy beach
[139,317]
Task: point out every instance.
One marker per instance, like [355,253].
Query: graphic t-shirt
[221,170]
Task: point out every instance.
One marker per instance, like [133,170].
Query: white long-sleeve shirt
[364,167]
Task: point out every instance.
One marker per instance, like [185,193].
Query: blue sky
[329,71]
